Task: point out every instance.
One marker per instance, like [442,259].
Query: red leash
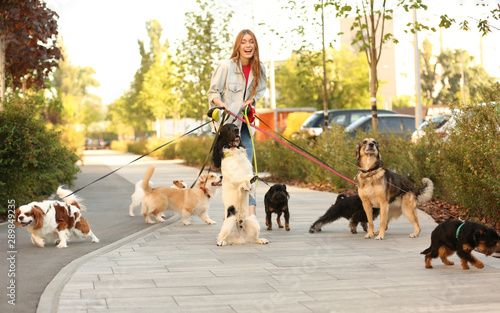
[298,151]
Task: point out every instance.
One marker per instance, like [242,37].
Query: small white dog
[139,193]
[238,178]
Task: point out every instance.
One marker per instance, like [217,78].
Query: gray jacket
[228,83]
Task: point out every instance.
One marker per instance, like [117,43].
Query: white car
[440,124]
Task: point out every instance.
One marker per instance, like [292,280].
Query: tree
[369,24]
[72,86]
[208,42]
[308,56]
[157,92]
[347,86]
[28,47]
[457,66]
[482,24]
[134,108]
[428,74]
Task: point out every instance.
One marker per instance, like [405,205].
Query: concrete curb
[49,300]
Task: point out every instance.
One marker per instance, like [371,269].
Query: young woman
[238,82]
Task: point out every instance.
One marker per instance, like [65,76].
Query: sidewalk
[177,268]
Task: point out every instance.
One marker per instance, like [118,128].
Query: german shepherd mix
[392,193]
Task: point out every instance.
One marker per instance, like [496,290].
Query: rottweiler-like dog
[276,201]
[461,237]
[348,207]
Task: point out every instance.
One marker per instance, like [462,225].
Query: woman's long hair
[254,61]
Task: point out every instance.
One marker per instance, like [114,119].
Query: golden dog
[392,193]
[184,201]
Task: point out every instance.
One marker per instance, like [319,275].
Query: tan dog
[185,201]
[392,193]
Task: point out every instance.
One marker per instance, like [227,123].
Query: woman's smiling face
[247,49]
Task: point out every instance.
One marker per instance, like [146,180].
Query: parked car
[437,122]
[400,124]
[313,126]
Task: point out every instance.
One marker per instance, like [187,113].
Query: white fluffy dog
[237,183]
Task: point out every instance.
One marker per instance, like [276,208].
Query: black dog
[462,237]
[276,201]
[350,208]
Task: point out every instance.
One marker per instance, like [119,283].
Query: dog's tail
[425,193]
[73,199]
[147,176]
[426,251]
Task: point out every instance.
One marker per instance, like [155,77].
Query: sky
[103,34]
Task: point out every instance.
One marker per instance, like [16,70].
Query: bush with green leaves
[466,163]
[33,161]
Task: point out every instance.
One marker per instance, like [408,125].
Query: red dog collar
[205,191]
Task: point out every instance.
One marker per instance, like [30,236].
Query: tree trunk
[325,92]
[373,94]
[2,68]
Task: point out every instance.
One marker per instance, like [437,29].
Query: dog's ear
[340,197]
[478,236]
[38,213]
[358,147]
[203,177]
[16,215]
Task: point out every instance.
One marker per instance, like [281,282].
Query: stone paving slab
[179,268]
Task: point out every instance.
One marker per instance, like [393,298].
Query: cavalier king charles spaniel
[54,219]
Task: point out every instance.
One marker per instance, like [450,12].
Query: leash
[253,144]
[135,160]
[296,146]
[225,116]
[294,149]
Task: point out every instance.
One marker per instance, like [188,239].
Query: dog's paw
[269,228]
[210,222]
[221,243]
[262,241]
[369,235]
[414,235]
[287,228]
[478,264]
[187,223]
[379,237]
[131,214]
[62,245]
[246,186]
[95,240]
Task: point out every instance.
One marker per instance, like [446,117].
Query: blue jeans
[246,141]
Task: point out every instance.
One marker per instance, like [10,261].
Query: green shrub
[166,152]
[465,166]
[33,161]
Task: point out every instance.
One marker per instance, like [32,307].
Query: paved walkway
[177,268]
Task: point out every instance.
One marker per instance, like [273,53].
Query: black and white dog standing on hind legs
[237,183]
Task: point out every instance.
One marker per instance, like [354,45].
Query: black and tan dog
[392,193]
[350,208]
[276,201]
[461,237]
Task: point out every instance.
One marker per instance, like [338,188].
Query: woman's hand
[248,102]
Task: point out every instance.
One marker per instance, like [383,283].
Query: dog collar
[370,170]
[458,229]
[228,154]
[205,191]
